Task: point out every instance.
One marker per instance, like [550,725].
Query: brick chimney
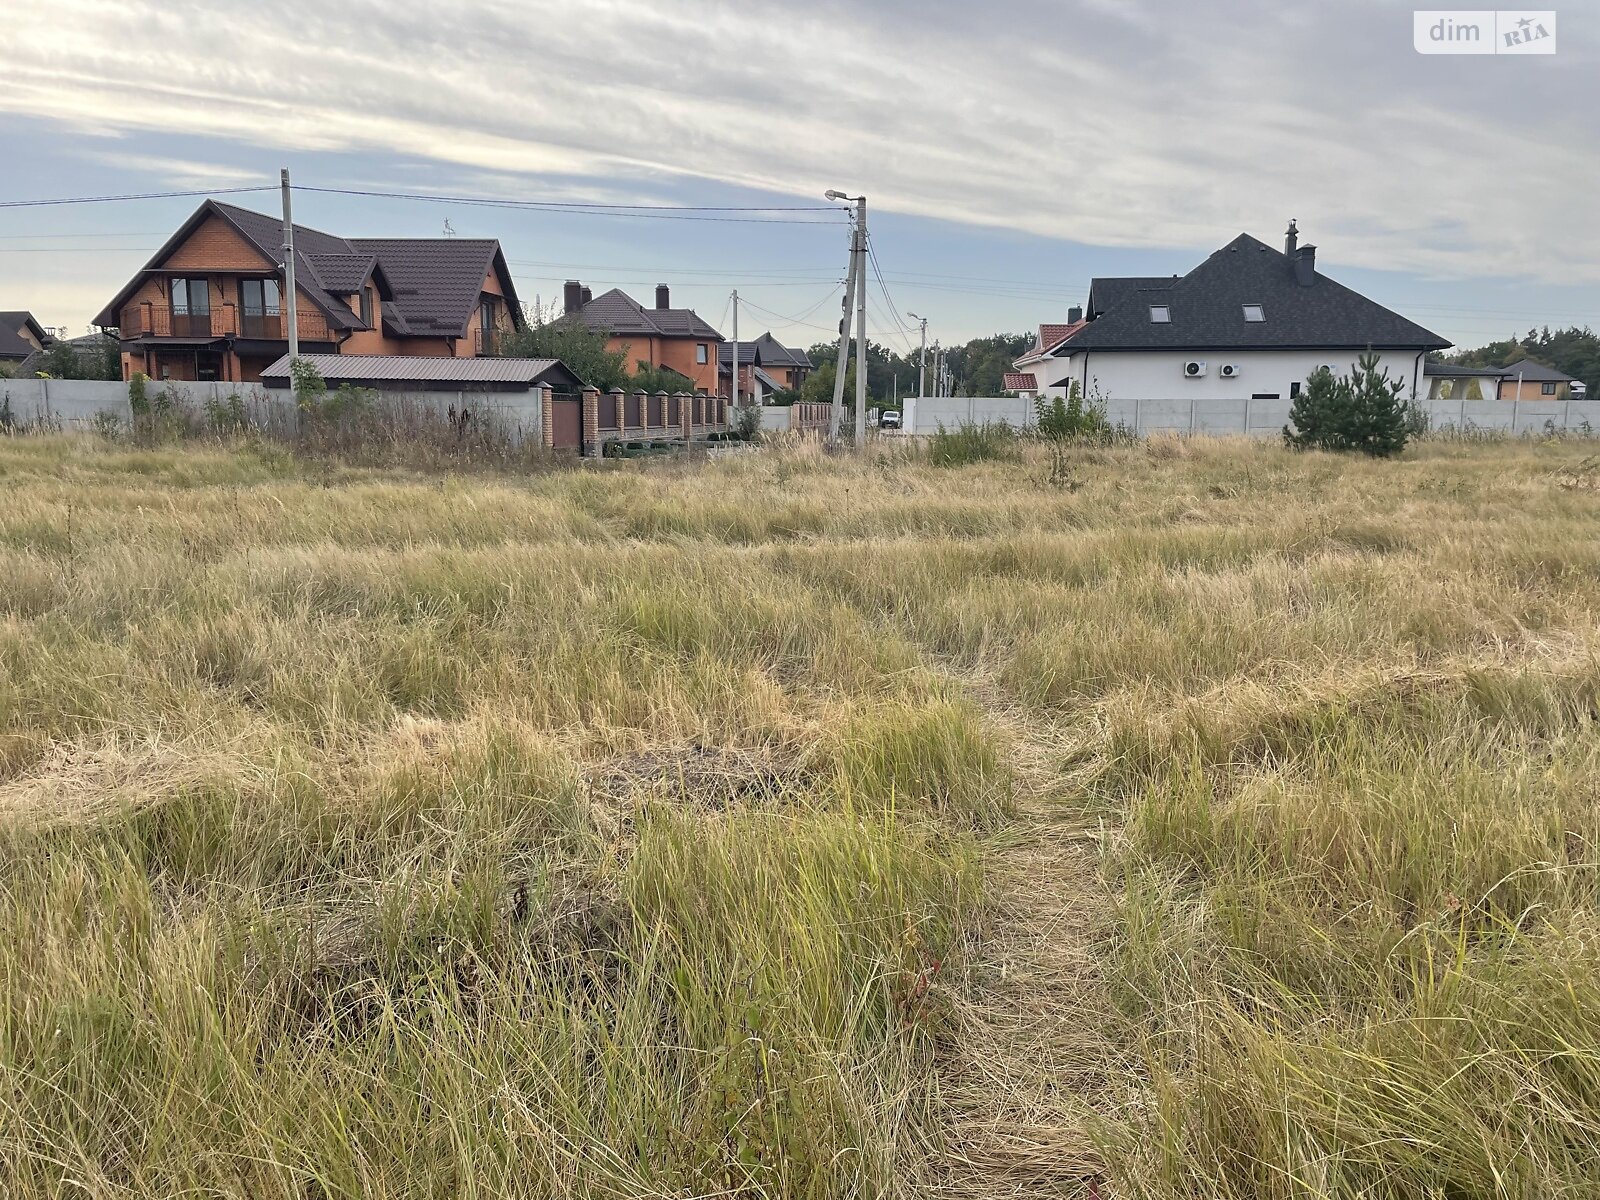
[663,296]
[1291,238]
[587,295]
[572,297]
[1305,265]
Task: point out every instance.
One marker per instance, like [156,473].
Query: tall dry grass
[624,832]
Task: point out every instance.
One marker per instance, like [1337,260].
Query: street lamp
[922,356]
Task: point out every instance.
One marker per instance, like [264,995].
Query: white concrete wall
[1258,418]
[76,404]
[1125,374]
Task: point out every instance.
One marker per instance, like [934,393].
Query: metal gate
[566,424]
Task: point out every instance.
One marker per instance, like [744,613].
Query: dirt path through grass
[1032,1057]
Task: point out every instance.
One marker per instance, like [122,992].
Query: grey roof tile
[1207,310]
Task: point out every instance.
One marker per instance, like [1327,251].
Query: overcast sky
[1010,150]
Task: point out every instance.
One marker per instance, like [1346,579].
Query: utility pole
[861,323]
[290,315]
[837,416]
[922,354]
[735,348]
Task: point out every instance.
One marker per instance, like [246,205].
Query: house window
[1547,389]
[1160,314]
[259,299]
[1254,312]
[366,306]
[702,354]
[1294,389]
[191,296]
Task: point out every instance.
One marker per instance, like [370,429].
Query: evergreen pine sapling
[1376,419]
[1314,420]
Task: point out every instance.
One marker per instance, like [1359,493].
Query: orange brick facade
[677,354]
[167,339]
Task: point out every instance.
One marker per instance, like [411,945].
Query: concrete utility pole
[836,418]
[856,281]
[735,391]
[861,324]
[922,354]
[289,312]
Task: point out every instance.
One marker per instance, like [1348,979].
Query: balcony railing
[158,320]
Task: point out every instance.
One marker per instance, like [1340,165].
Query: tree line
[1573,351]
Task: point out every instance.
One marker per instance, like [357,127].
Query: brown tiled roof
[343,274]
[1020,381]
[428,285]
[12,343]
[620,314]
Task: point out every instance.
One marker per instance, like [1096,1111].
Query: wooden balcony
[159,321]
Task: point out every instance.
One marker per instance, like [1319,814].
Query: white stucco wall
[1143,374]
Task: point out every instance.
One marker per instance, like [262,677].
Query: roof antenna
[448,230]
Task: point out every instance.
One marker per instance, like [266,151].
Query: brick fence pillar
[685,414]
[547,417]
[620,407]
[642,399]
[591,422]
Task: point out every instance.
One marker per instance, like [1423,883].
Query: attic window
[1254,312]
[1160,314]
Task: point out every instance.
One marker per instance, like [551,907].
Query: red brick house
[209,304]
[663,336]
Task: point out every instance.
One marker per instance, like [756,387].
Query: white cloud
[1125,124]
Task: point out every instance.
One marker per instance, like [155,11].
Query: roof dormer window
[1254,312]
[1160,314]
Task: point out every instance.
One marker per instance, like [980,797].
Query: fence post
[1514,404]
[685,415]
[1461,418]
[1138,427]
[1192,401]
[620,408]
[590,417]
[547,417]
[1247,416]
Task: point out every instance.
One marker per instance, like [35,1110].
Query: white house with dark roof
[1250,322]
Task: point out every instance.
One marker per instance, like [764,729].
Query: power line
[894,310]
[801,319]
[233,191]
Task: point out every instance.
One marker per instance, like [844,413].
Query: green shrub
[1358,411]
[972,443]
[1065,419]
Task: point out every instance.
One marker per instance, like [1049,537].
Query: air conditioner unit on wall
[1194,369]
[1229,370]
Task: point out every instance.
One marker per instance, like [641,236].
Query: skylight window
[1254,312]
[1160,314]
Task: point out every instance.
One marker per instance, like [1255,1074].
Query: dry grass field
[1189,819]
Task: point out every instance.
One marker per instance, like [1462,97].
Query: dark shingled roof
[1207,310]
[436,281]
[427,286]
[12,344]
[765,351]
[1111,292]
[1456,371]
[1535,372]
[343,274]
[620,314]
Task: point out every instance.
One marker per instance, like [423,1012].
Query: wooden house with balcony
[209,305]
